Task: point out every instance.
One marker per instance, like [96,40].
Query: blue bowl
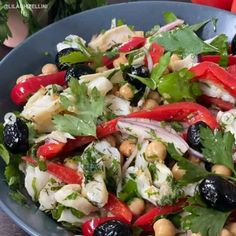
[30,56]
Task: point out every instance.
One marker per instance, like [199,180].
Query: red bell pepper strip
[21,91]
[133,43]
[49,150]
[232,70]
[189,112]
[216,59]
[209,71]
[208,101]
[118,208]
[65,174]
[89,226]
[155,51]
[147,219]
[108,62]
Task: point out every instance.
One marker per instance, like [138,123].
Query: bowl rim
[17,220]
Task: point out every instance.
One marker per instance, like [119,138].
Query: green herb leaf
[88,107]
[201,217]
[152,31]
[169,17]
[177,86]
[18,197]
[74,57]
[129,191]
[199,25]
[217,147]
[183,41]
[193,173]
[4,154]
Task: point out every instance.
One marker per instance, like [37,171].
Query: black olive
[193,135]
[16,136]
[138,70]
[77,70]
[113,228]
[233,45]
[137,96]
[218,193]
[64,52]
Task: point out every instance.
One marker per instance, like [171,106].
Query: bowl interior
[30,56]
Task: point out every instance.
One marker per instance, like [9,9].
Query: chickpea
[221,170]
[177,172]
[194,234]
[111,140]
[232,228]
[101,69]
[23,78]
[126,91]
[194,160]
[155,150]
[155,96]
[120,60]
[127,147]
[49,68]
[226,232]
[137,206]
[149,104]
[173,59]
[115,90]
[164,227]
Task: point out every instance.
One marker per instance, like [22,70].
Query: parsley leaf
[87,108]
[183,41]
[176,86]
[217,147]
[129,191]
[169,17]
[193,172]
[18,197]
[4,154]
[201,218]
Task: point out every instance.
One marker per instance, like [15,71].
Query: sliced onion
[196,154]
[149,59]
[129,160]
[170,26]
[142,130]
[234,157]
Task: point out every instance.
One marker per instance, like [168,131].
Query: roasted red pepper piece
[89,226]
[65,174]
[108,62]
[49,150]
[216,59]
[209,71]
[21,91]
[155,51]
[147,219]
[208,101]
[133,43]
[118,208]
[232,70]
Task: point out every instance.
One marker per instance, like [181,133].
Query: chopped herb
[169,17]
[34,187]
[129,191]
[177,86]
[217,147]
[41,164]
[57,211]
[152,31]
[18,197]
[88,107]
[201,217]
[72,196]
[193,172]
[4,154]
[184,42]
[77,213]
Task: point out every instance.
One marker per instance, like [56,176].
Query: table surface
[7,226]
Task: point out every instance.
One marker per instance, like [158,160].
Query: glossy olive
[137,96]
[139,70]
[233,45]
[16,136]
[113,228]
[218,193]
[77,70]
[193,135]
[63,52]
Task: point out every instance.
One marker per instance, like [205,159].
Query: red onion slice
[196,154]
[142,130]
[170,26]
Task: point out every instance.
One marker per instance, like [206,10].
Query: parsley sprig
[87,106]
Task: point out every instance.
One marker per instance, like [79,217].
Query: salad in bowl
[132,133]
